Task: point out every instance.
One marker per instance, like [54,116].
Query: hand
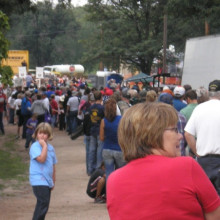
[42,143]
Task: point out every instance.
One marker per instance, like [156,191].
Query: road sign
[39,72]
[22,71]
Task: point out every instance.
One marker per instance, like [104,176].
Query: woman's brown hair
[142,126]
[110,109]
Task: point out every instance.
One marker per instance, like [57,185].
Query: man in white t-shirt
[202,134]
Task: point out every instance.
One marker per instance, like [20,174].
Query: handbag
[47,117]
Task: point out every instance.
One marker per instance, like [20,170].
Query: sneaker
[99,200]
[17,137]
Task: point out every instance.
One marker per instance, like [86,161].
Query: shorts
[20,120]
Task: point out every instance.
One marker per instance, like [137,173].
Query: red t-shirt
[54,106]
[159,187]
[2,101]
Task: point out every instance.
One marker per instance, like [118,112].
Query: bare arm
[68,109]
[43,156]
[54,175]
[191,141]
[214,215]
[102,131]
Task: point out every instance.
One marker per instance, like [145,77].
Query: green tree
[15,6]
[186,19]
[4,27]
[5,72]
[49,33]
[131,32]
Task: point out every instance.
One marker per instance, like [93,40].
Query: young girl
[42,169]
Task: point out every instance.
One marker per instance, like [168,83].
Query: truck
[101,78]
[63,69]
[201,61]
[15,59]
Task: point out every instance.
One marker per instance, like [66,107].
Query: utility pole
[164,45]
[101,67]
[206,28]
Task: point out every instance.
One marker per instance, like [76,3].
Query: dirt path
[69,200]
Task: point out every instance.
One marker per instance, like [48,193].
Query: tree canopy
[132,31]
[112,32]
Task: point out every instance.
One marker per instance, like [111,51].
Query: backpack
[25,105]
[123,106]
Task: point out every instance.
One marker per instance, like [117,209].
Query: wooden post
[164,45]
[206,28]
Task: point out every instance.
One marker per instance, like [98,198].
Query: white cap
[179,91]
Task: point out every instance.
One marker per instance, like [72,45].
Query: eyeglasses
[172,129]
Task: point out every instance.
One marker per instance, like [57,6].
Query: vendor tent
[141,77]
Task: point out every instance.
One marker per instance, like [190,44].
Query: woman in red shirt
[156,184]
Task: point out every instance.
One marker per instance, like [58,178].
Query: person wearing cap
[202,134]
[168,99]
[72,111]
[179,93]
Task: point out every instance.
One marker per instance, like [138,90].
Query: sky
[74,2]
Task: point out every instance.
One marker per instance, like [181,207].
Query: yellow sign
[17,58]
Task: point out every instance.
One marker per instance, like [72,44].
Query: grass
[12,165]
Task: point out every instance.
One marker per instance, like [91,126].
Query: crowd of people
[145,133]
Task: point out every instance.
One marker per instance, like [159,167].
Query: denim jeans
[95,154]
[113,160]
[11,115]
[42,193]
[29,139]
[86,142]
[25,117]
[53,120]
[1,123]
[72,121]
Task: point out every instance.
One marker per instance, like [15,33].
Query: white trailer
[63,69]
[201,61]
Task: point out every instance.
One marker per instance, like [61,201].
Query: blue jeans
[29,139]
[72,121]
[113,160]
[11,115]
[42,193]
[53,120]
[1,123]
[95,154]
[87,141]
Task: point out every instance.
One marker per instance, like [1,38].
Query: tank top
[111,134]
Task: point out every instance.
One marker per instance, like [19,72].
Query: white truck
[201,61]
[63,69]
